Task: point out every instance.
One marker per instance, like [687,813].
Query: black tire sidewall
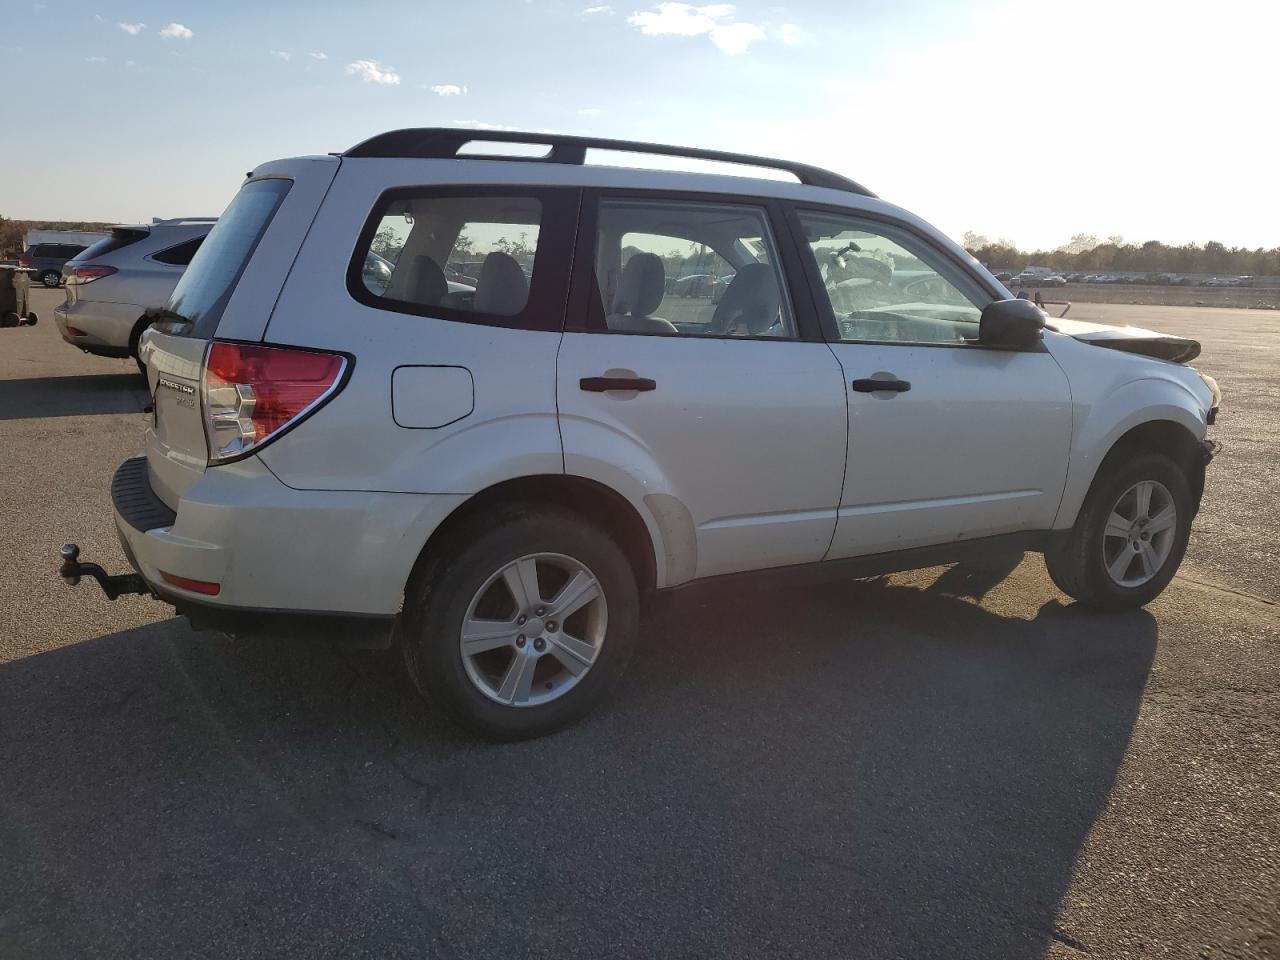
[1147,466]
[437,605]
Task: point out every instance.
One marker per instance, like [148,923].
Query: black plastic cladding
[444,143]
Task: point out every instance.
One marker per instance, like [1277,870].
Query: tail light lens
[88,274]
[253,393]
[24,262]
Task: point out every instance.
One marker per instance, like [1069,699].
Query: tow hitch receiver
[72,570]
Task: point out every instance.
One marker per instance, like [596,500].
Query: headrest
[642,285]
[427,284]
[752,300]
[501,287]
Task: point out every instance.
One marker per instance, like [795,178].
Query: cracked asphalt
[949,763]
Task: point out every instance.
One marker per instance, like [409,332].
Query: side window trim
[583,297]
[813,279]
[549,288]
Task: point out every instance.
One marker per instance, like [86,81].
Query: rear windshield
[118,240]
[202,293]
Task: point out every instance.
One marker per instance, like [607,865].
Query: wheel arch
[592,500]
[1171,433]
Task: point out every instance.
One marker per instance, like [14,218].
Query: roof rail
[446,142]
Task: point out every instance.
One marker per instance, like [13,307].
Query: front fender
[1099,425]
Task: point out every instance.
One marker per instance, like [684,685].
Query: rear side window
[179,255]
[490,256]
[202,293]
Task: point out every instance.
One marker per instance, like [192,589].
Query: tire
[451,590]
[51,278]
[134,338]
[1079,567]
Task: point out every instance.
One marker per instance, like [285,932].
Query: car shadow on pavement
[861,769]
[33,397]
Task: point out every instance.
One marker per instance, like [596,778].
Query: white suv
[500,473]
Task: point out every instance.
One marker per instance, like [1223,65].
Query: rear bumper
[105,327]
[272,549]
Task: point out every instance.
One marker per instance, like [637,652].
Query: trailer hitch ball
[72,570]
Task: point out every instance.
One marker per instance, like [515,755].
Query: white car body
[101,315]
[750,454]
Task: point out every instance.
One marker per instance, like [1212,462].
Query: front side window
[883,286]
[691,269]
[463,255]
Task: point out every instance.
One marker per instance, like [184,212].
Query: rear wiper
[165,316]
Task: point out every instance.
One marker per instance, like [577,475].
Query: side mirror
[1011,325]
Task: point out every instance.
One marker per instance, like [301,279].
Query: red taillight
[88,274]
[24,262]
[208,588]
[75,332]
[252,393]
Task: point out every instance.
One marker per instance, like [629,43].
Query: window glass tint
[883,286]
[206,286]
[179,255]
[468,254]
[118,240]
[696,269]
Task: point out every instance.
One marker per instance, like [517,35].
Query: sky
[1031,120]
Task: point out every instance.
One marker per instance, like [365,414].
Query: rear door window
[483,255]
[202,293]
[118,240]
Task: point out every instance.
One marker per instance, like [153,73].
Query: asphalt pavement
[950,763]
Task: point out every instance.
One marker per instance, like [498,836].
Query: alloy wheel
[533,630]
[1139,534]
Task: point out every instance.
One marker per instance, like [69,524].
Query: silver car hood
[1162,346]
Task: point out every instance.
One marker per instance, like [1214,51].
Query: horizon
[1067,146]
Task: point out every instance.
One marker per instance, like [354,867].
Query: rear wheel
[51,278]
[1130,536]
[522,623]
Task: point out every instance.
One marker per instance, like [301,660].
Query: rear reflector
[76,332]
[88,274]
[195,586]
[252,393]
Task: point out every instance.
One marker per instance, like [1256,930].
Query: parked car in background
[111,284]
[501,484]
[46,260]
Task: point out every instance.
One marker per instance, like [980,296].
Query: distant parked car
[111,284]
[694,285]
[1039,280]
[46,260]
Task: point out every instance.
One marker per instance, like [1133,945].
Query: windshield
[206,286]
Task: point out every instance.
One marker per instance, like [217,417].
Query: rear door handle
[870,385]
[601,384]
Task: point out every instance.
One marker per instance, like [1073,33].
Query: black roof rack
[445,142]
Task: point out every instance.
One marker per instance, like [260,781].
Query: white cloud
[131,63]
[448,90]
[602,8]
[284,55]
[176,31]
[686,20]
[95,59]
[370,71]
[590,112]
[133,29]
[100,18]
[791,34]
[318,56]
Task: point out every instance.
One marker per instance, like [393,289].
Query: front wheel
[1130,536]
[51,278]
[522,623]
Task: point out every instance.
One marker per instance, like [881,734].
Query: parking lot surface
[948,763]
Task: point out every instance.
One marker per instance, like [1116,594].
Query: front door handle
[601,384]
[870,385]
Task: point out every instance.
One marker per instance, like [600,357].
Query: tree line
[12,231]
[1087,253]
